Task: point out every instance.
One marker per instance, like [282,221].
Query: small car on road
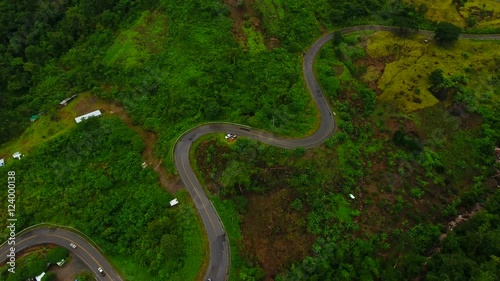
[230,136]
[72,245]
[101,271]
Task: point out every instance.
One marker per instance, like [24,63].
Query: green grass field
[135,45]
[42,130]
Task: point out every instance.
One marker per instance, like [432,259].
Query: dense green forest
[91,179]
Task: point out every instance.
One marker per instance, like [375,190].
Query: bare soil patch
[275,236]
[244,15]
[69,269]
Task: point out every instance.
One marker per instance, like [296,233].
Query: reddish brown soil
[379,65]
[90,103]
[274,235]
[237,14]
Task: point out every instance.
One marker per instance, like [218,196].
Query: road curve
[218,268]
[85,251]
[219,264]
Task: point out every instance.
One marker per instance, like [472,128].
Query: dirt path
[89,103]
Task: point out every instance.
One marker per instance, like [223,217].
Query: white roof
[2,163]
[174,202]
[39,277]
[352,196]
[88,115]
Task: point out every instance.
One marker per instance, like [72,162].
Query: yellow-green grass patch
[409,61]
[255,40]
[486,12]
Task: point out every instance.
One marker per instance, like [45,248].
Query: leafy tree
[436,77]
[57,254]
[447,32]
[407,19]
[337,38]
[235,175]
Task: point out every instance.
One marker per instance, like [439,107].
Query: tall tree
[447,32]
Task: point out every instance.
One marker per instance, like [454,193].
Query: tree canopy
[447,32]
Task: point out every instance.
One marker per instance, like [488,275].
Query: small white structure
[39,277]
[88,115]
[144,165]
[17,155]
[174,202]
[65,101]
[2,163]
[352,196]
[61,262]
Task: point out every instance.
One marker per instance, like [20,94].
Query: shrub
[416,192]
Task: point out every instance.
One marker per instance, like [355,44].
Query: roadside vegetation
[34,264]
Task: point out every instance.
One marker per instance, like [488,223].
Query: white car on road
[230,136]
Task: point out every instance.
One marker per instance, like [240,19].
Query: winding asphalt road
[219,264]
[91,256]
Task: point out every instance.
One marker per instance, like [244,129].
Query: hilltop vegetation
[417,128]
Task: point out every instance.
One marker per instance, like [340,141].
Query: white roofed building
[174,202]
[88,115]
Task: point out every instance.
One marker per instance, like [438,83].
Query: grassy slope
[135,45]
[411,60]
[44,129]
